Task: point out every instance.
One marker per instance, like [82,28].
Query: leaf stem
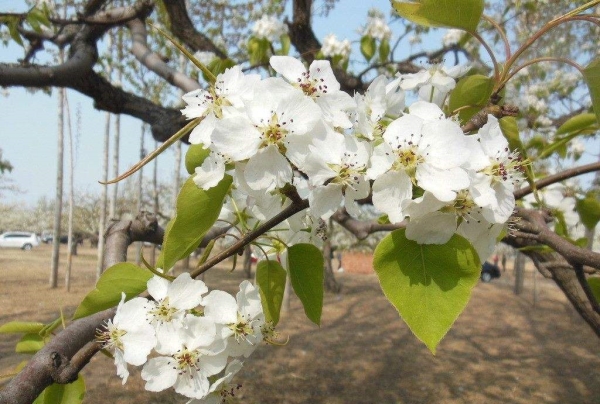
[501,32]
[490,52]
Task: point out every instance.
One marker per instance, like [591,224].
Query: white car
[19,239]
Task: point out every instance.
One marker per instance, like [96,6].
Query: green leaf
[286,43]
[463,14]
[591,74]
[194,157]
[589,210]
[21,327]
[270,277]
[582,122]
[258,49]
[473,92]
[384,51]
[71,393]
[305,263]
[367,47]
[13,30]
[218,66]
[122,277]
[197,211]
[595,286]
[558,146]
[30,344]
[429,285]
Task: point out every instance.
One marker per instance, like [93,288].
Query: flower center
[111,336]
[312,87]
[462,206]
[162,312]
[507,168]
[242,329]
[187,360]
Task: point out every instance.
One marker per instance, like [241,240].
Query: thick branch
[141,51]
[183,28]
[552,179]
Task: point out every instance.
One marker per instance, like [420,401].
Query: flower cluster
[333,47]
[269,28]
[300,133]
[184,336]
[377,27]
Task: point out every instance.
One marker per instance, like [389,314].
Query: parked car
[489,271]
[19,239]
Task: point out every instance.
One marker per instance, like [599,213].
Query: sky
[29,125]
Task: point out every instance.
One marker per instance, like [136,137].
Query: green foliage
[595,287]
[258,50]
[384,50]
[216,67]
[20,327]
[270,277]
[429,285]
[589,210]
[197,211]
[305,264]
[30,344]
[472,92]
[591,74]
[585,122]
[195,156]
[122,277]
[463,14]
[286,43]
[71,393]
[368,47]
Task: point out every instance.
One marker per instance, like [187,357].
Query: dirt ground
[503,348]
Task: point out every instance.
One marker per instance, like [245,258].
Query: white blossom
[269,28]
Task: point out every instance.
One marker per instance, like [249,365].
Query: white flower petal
[159,373]
[325,200]
[211,172]
[289,67]
[157,287]
[443,184]
[433,228]
[391,192]
[186,293]
[221,307]
[268,170]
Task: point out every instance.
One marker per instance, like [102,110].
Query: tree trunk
[519,273]
[116,136]
[59,186]
[139,191]
[331,284]
[103,199]
[71,198]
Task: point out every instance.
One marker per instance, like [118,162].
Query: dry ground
[501,350]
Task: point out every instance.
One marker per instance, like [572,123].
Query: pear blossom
[377,27]
[498,171]
[333,47]
[240,318]
[231,89]
[194,354]
[452,37]
[434,83]
[318,83]
[128,335]
[381,99]
[269,28]
[221,391]
[421,148]
[336,171]
[168,309]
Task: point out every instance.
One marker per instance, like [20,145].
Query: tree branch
[552,179]
[363,228]
[183,28]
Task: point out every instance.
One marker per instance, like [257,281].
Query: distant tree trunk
[103,198]
[331,284]
[140,185]
[117,132]
[519,273]
[71,242]
[59,185]
[155,202]
[248,262]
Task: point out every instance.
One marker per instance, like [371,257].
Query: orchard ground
[502,349]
